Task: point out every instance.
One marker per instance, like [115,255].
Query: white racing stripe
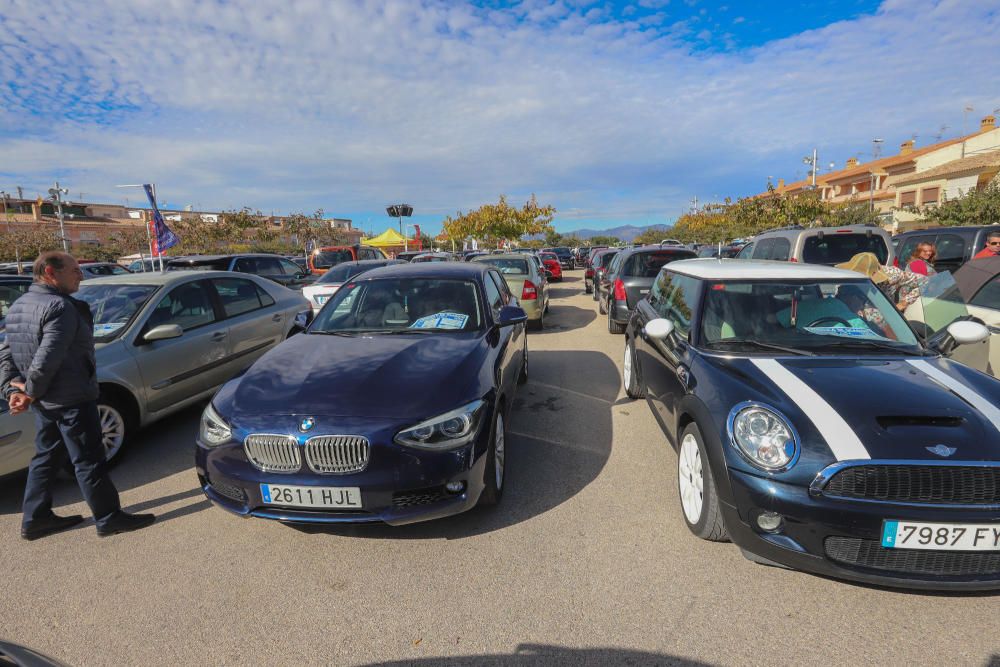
[990,411]
[838,435]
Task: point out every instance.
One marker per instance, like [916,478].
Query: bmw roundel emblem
[307,424]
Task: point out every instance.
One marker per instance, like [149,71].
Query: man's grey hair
[54,258]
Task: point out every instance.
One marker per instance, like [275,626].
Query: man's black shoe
[53,524]
[123,522]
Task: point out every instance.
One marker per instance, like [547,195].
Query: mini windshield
[114,306]
[401,305]
[324,259]
[816,317]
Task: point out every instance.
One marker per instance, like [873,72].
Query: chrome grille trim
[337,454]
[273,452]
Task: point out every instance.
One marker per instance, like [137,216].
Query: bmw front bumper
[842,538]
[400,485]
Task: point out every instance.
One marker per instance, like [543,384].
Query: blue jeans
[75,431]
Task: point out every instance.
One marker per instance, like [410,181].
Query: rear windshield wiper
[763,346]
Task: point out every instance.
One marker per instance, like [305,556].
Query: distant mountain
[625,232]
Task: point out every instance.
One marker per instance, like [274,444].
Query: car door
[507,339]
[17,440]
[676,298]
[256,323]
[177,368]
[951,252]
[986,306]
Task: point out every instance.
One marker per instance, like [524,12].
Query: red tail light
[792,259]
[620,290]
[529,292]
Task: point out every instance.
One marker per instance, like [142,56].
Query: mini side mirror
[659,328]
[163,332]
[510,315]
[966,331]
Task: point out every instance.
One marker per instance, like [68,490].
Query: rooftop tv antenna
[941,131]
[877,148]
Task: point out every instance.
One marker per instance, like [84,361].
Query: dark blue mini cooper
[391,406]
[815,430]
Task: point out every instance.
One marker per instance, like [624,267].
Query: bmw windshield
[826,317]
[401,305]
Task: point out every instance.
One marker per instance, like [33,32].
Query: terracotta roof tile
[970,163]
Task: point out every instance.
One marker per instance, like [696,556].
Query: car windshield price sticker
[941,536]
[441,321]
[846,332]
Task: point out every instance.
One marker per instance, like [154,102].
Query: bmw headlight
[447,431]
[763,436]
[214,431]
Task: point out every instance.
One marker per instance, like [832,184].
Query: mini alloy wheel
[112,430]
[696,486]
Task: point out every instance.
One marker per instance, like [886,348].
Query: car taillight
[792,259]
[530,292]
[589,273]
[620,290]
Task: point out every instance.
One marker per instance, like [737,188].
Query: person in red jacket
[922,259]
[992,248]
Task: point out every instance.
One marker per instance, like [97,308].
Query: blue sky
[613,112]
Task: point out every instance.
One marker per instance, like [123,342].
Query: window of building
[908,198]
[930,196]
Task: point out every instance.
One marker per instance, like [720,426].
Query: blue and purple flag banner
[163,238]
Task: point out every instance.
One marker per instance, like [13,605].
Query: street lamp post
[400,211]
[57,193]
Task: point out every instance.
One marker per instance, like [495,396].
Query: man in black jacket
[48,362]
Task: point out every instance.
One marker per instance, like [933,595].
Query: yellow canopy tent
[388,239]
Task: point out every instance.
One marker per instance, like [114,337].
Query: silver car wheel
[690,478]
[112,430]
[499,452]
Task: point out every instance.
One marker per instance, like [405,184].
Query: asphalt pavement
[586,561]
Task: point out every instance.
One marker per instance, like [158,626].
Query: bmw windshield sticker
[839,436]
[846,332]
[441,321]
[990,411]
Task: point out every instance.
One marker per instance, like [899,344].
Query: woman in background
[922,259]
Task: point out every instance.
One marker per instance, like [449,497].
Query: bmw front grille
[337,454]
[273,453]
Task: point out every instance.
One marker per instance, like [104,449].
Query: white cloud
[346,105]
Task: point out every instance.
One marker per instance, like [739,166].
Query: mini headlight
[447,431]
[213,431]
[763,436]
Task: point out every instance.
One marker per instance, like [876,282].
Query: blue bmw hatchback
[391,406]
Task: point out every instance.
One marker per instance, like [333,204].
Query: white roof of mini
[736,269]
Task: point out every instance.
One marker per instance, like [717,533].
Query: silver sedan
[165,341]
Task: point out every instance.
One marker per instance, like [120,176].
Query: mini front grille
[229,491]
[871,554]
[948,485]
[417,498]
[273,453]
[337,454]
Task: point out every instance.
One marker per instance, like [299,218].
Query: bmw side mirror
[510,315]
[303,318]
[163,332]
[659,328]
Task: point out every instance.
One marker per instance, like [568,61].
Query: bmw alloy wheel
[499,452]
[112,430]
[691,478]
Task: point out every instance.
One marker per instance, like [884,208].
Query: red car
[551,263]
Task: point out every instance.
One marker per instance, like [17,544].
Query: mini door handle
[276,318]
[219,336]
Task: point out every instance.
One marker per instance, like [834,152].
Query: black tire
[536,325]
[522,377]
[614,327]
[493,491]
[587,289]
[596,293]
[118,425]
[709,524]
[631,377]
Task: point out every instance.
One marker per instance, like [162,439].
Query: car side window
[9,293]
[268,266]
[502,286]
[950,249]
[746,252]
[909,245]
[764,248]
[290,268]
[678,299]
[988,296]
[189,306]
[238,296]
[781,249]
[493,296]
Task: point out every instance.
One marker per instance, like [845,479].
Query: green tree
[609,241]
[648,236]
[975,207]
[501,221]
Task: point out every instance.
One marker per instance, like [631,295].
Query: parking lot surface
[586,561]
